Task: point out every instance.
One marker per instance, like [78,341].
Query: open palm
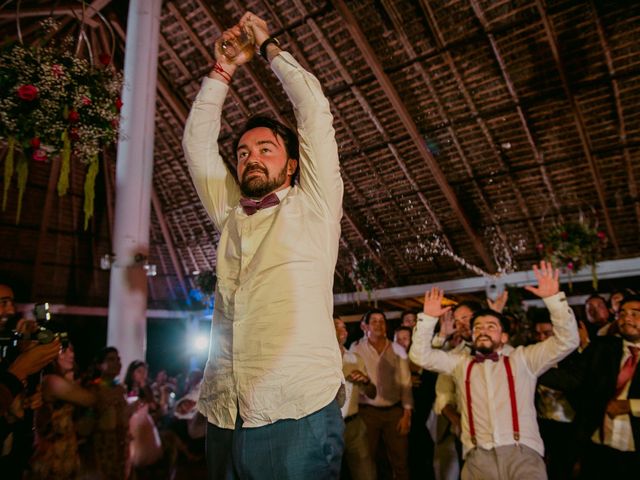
[547,277]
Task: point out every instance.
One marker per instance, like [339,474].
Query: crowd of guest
[584,401]
[402,410]
[59,423]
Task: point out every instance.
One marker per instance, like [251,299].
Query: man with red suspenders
[496,388]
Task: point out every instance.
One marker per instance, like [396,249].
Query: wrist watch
[266,43]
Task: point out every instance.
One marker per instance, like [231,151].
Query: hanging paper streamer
[65,167]
[22,170]
[89,190]
[8,170]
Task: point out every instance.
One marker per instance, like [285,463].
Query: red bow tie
[252,206]
[481,357]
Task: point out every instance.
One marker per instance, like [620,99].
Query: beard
[484,348]
[259,186]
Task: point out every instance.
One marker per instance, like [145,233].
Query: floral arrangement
[573,245]
[54,104]
[365,274]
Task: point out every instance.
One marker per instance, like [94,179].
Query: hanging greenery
[574,245]
[56,105]
[365,274]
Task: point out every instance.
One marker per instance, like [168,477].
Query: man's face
[488,335]
[341,331]
[543,331]
[597,311]
[377,326]
[263,166]
[462,321]
[629,321]
[409,320]
[403,337]
[7,307]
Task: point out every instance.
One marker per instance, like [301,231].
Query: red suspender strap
[512,397]
[467,386]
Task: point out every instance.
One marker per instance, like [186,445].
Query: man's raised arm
[319,164]
[421,352]
[541,356]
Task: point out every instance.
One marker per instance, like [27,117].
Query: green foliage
[56,104]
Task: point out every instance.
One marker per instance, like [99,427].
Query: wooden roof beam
[402,112]
[428,11]
[393,14]
[166,235]
[516,100]
[580,124]
[622,128]
[357,93]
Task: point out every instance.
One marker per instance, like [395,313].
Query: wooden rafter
[477,9]
[622,127]
[401,110]
[440,42]
[580,124]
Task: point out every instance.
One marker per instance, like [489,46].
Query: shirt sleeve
[543,355]
[216,187]
[406,393]
[423,354]
[445,393]
[319,164]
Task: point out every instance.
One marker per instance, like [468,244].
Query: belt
[350,418]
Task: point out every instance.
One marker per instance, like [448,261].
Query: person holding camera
[19,362]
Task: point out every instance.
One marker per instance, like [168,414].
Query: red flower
[57,70]
[28,93]
[540,247]
[118,104]
[74,116]
[601,235]
[86,101]
[104,59]
[564,235]
[73,133]
[39,155]
[570,265]
[35,143]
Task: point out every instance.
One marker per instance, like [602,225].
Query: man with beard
[496,388]
[274,365]
[608,414]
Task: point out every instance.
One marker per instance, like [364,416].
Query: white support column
[127,326]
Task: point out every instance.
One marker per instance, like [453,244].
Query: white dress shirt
[273,352]
[389,371]
[617,431]
[489,385]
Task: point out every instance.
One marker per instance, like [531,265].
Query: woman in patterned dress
[56,446]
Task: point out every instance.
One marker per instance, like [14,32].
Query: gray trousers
[509,462]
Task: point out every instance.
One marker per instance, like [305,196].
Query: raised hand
[258,25]
[433,303]
[447,325]
[547,277]
[499,303]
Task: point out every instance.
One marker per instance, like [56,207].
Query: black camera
[10,338]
